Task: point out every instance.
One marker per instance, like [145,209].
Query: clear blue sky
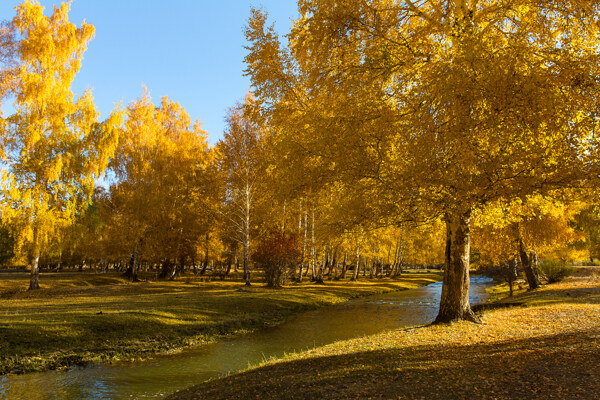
[189,50]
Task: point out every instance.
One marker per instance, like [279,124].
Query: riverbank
[81,318]
[539,344]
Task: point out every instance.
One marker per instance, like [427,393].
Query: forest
[379,138]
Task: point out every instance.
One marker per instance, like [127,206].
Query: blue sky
[189,50]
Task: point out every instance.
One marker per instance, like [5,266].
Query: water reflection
[163,375]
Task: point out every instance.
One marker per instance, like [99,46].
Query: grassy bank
[545,346]
[78,318]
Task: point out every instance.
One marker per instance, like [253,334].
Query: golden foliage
[55,146]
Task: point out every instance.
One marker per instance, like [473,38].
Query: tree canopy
[442,106]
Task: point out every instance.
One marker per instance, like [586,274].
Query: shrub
[555,271]
[279,255]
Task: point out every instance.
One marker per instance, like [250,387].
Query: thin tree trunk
[512,274]
[205,264]
[344,267]
[357,267]
[313,249]
[303,246]
[454,304]
[392,272]
[132,271]
[247,238]
[283,221]
[334,262]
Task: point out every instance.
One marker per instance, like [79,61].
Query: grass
[547,348]
[77,318]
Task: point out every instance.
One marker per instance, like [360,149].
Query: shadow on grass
[556,366]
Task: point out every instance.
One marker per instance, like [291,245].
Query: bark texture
[357,267]
[454,304]
[34,283]
[530,272]
[35,273]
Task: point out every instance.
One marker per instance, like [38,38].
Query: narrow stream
[164,375]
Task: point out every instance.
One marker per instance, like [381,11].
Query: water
[164,375]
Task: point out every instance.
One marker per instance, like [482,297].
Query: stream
[163,375]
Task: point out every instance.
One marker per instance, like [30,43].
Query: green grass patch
[78,318]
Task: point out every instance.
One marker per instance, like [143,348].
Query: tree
[588,222]
[165,196]
[242,164]
[541,224]
[435,106]
[278,253]
[55,147]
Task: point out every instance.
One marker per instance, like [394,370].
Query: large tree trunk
[454,304]
[530,272]
[35,268]
[34,283]
[229,263]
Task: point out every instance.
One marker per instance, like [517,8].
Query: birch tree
[54,145]
[242,149]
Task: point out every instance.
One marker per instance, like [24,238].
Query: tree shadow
[554,366]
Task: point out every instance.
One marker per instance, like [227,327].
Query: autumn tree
[587,221]
[164,197]
[279,254]
[55,146]
[241,150]
[527,229]
[435,106]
